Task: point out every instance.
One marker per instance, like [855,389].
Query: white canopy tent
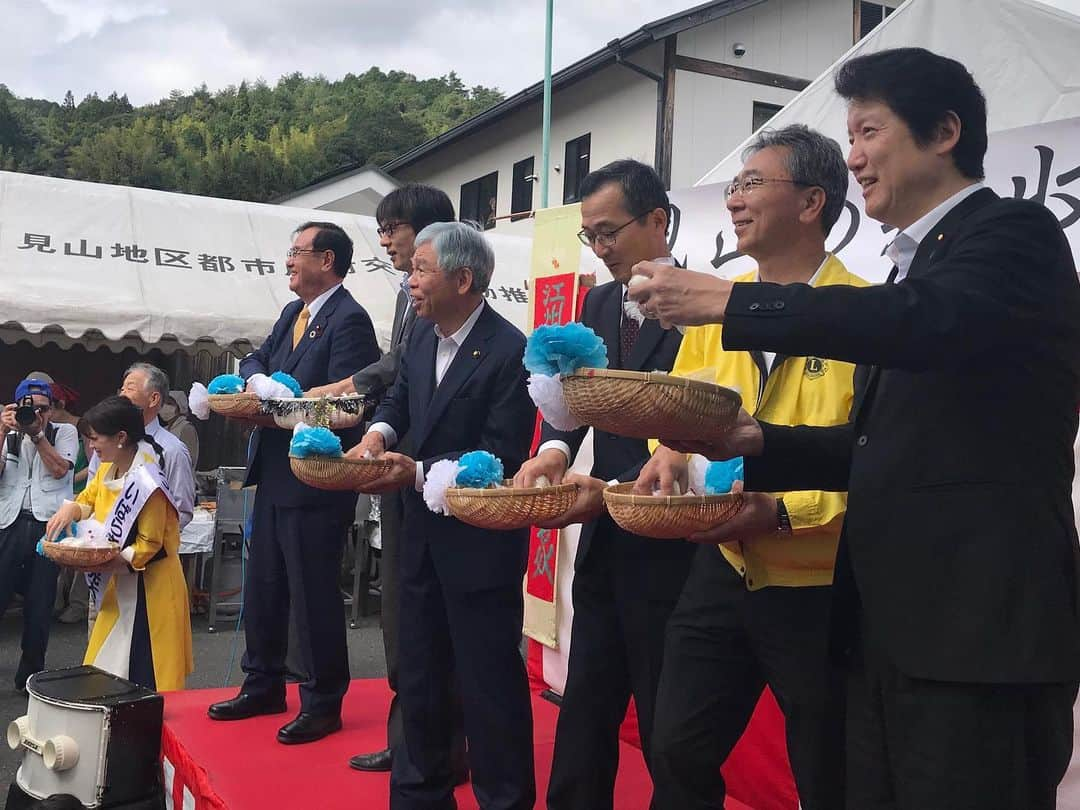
[97,264]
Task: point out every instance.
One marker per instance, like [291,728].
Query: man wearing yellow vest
[755,612]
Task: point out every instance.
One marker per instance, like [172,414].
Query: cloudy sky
[146,48]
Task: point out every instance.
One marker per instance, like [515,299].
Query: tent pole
[546,143]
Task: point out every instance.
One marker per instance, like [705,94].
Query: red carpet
[240,766]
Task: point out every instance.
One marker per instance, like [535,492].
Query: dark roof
[647,34]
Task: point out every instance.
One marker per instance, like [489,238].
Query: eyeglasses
[605,238]
[748,185]
[294,252]
[388,229]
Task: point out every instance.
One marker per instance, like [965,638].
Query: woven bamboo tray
[510,507]
[246,406]
[650,404]
[668,517]
[329,472]
[336,413]
[82,557]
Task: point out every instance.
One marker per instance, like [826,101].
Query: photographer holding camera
[36,462]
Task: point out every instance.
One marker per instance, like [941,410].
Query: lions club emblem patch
[815,367]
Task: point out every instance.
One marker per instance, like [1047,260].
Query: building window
[521,195]
[763,112]
[871,15]
[575,167]
[478,200]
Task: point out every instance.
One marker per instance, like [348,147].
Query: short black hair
[113,414]
[922,87]
[417,204]
[642,189]
[331,236]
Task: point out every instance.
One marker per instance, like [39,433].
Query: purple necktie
[628,332]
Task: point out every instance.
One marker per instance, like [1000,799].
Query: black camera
[26,412]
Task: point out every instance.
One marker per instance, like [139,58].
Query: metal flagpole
[545,169]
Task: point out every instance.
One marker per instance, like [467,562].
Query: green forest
[253,142]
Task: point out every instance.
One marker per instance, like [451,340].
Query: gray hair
[156,379]
[459,244]
[813,159]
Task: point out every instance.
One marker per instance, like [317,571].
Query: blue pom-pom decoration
[226,384]
[553,350]
[288,381]
[479,469]
[314,441]
[720,475]
[40,548]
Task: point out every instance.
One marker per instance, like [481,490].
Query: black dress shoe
[376,761]
[244,706]
[308,728]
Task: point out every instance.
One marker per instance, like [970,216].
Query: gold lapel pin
[476,353]
[940,236]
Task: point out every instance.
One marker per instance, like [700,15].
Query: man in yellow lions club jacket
[754,612]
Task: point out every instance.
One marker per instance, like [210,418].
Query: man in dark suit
[955,595]
[625,586]
[299,532]
[401,215]
[460,387]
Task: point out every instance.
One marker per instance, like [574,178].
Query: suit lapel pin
[476,354]
[314,333]
[940,236]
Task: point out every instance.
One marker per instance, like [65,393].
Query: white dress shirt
[901,250]
[445,353]
[314,307]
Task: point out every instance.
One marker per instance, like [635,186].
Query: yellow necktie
[300,326]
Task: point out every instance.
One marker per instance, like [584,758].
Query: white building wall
[357,192]
[616,106]
[797,38]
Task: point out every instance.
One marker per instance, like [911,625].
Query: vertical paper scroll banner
[556,258]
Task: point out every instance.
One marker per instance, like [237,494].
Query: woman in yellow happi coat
[143,628]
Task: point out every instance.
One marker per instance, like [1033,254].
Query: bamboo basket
[336,413]
[668,517]
[246,406]
[650,404]
[510,507]
[82,557]
[334,473]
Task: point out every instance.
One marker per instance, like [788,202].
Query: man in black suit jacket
[299,532]
[625,586]
[401,215]
[956,608]
[460,387]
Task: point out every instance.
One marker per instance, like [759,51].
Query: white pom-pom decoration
[698,464]
[442,475]
[546,392]
[199,401]
[267,388]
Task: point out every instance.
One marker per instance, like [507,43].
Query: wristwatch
[783,519]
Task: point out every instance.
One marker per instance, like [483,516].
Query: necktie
[628,332]
[300,326]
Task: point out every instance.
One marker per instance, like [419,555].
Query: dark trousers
[616,650]
[22,569]
[295,558]
[724,645]
[915,744]
[477,635]
[391,518]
